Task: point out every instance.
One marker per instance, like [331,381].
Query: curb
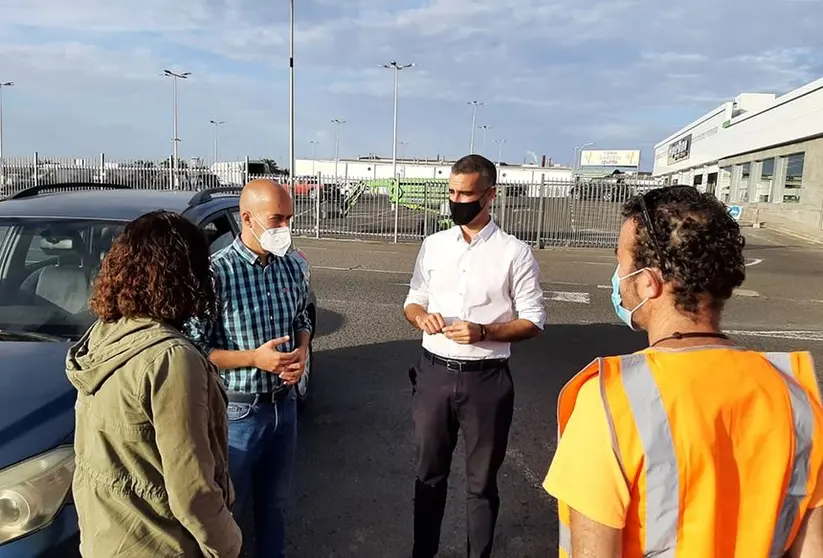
[810,238]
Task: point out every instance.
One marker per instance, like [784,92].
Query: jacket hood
[106,347]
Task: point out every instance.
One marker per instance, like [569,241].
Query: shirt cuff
[535,317]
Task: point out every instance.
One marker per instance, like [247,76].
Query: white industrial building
[761,151]
[381,168]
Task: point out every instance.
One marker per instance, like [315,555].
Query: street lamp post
[396,67]
[499,143]
[217,124]
[485,131]
[313,155]
[337,122]
[175,140]
[579,149]
[2,85]
[291,100]
[474,105]
[2,159]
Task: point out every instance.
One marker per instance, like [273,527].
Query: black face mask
[464,213]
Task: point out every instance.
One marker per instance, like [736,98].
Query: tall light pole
[396,67]
[217,124]
[403,145]
[499,143]
[337,123]
[313,155]
[2,85]
[579,148]
[474,105]
[485,131]
[175,140]
[2,160]
[291,100]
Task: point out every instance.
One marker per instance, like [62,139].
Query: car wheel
[303,391]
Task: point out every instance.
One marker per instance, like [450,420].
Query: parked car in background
[51,248]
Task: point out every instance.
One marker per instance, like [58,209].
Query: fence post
[171,172]
[36,169]
[396,206]
[425,209]
[503,204]
[541,209]
[319,191]
[246,175]
[101,178]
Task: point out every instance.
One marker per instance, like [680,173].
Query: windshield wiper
[20,335]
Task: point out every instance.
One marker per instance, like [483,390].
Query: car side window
[219,232]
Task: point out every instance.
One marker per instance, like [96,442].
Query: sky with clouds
[553,73]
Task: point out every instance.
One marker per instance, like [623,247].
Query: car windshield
[47,267]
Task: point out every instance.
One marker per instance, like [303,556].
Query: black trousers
[444,401]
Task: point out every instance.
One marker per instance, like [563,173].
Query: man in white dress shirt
[474,291]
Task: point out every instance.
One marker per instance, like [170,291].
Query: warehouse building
[760,151]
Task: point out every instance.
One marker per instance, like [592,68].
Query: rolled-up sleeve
[302,322]
[526,290]
[419,284]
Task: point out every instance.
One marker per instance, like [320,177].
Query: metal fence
[569,213]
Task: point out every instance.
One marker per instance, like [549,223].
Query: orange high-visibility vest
[720,448]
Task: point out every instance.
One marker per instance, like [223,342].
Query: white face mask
[276,241]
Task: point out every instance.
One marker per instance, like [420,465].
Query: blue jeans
[262,443]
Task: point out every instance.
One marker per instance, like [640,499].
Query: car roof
[117,205]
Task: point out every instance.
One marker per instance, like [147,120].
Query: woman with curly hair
[151,441]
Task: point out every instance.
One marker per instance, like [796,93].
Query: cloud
[553,73]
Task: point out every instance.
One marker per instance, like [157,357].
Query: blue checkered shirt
[257,303]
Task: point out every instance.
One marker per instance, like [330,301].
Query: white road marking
[746,292]
[754,262]
[796,335]
[604,286]
[563,296]
[355,268]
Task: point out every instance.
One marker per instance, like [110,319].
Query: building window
[724,184]
[764,185]
[794,178]
[743,186]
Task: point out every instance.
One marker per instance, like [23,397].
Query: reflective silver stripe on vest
[803,435]
[565,536]
[662,478]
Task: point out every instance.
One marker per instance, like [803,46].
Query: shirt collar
[246,253]
[484,234]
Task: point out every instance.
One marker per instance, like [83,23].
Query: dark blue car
[51,248]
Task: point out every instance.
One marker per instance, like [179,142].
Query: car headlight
[33,492]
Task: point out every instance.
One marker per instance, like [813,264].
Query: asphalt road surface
[354,481]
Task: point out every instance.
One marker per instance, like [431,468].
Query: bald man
[259,341]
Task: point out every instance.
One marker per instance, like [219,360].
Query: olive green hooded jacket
[151,445]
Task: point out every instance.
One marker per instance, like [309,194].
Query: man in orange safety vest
[694,447]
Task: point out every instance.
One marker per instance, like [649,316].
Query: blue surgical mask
[617,301]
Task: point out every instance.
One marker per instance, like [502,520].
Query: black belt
[459,365]
[272,397]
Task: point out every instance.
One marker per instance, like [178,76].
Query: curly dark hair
[157,268]
[693,241]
